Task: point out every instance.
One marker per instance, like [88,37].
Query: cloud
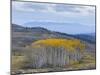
[28,11]
[53,8]
[66,8]
[31,7]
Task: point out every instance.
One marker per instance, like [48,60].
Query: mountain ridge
[64,27]
[53,34]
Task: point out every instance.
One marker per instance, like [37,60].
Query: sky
[67,18]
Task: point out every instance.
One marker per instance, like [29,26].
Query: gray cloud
[66,8]
[35,6]
[58,8]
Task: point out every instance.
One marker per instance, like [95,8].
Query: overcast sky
[81,18]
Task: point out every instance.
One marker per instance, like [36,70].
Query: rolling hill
[23,36]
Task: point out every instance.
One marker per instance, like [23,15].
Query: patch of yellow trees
[55,52]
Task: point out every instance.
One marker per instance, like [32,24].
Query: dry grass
[87,62]
[18,62]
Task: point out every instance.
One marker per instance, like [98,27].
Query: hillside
[22,36]
[34,48]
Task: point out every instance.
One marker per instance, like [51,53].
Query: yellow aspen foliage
[70,45]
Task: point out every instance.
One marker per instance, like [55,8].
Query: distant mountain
[90,37]
[92,34]
[63,27]
[17,28]
[44,23]
[39,31]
